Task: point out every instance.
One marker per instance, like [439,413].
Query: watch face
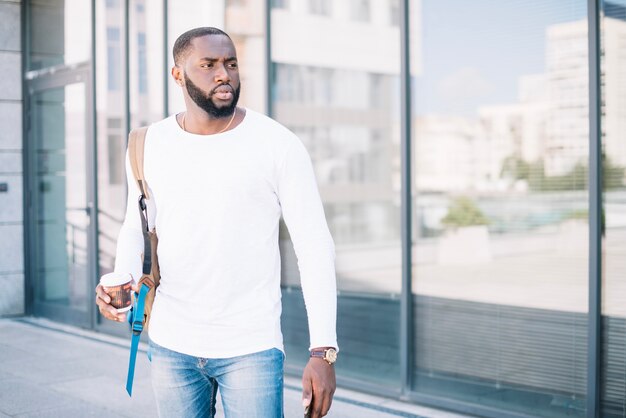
[331,355]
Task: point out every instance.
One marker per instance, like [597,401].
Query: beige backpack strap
[136,145]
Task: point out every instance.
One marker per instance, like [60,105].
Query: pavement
[53,370]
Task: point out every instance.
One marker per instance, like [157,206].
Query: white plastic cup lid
[115,279]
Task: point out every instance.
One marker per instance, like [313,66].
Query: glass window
[111,128]
[114,58]
[346,112]
[500,143]
[320,7]
[58,34]
[360,10]
[394,12]
[115,164]
[280,4]
[613,373]
[142,65]
[146,46]
[61,219]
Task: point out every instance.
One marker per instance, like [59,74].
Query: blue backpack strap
[136,327]
[136,145]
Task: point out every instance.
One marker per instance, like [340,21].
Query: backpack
[139,315]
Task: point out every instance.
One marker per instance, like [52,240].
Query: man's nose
[221,75]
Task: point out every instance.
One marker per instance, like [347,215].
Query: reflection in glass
[111,125]
[343,103]
[500,142]
[613,374]
[57,33]
[146,46]
[114,58]
[62,214]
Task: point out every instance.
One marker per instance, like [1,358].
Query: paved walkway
[52,370]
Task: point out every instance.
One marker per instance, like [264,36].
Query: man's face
[211,75]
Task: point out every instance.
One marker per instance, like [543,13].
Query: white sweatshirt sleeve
[130,243]
[304,216]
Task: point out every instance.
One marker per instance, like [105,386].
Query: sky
[474,51]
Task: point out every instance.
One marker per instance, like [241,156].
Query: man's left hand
[318,386]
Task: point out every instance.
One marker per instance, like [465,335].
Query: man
[219,178]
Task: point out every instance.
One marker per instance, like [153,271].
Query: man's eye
[233,65]
[206,65]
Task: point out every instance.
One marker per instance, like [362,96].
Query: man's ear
[177,74]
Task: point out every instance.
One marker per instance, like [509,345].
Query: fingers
[326,402]
[103,301]
[136,287]
[316,410]
[315,398]
[101,294]
[321,402]
[328,395]
[307,393]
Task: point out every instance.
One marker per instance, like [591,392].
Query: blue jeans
[251,386]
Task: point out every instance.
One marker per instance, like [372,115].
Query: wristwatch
[328,354]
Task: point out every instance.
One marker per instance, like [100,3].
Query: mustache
[232,90]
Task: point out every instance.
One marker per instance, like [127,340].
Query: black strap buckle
[137,327]
[142,202]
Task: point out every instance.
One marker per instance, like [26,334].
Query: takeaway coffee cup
[118,286]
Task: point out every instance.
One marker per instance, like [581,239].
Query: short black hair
[182,44]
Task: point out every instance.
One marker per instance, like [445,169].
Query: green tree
[613,175]
[576,179]
[515,168]
[464,212]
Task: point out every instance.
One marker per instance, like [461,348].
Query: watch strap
[323,353]
[319,353]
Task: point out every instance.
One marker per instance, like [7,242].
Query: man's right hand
[103,300]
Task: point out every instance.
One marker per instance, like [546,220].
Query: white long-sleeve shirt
[216,201]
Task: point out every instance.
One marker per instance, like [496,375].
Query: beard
[204,100]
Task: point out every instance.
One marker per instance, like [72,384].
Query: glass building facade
[470,156]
